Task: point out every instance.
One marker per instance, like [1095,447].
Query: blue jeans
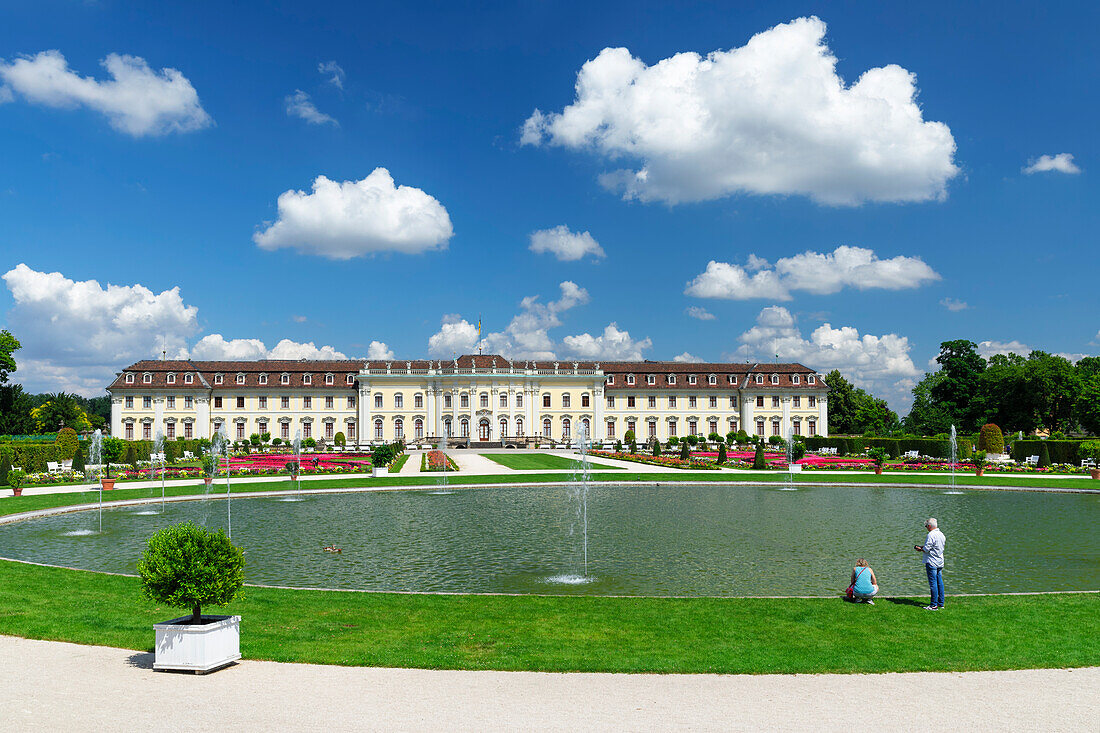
[935,584]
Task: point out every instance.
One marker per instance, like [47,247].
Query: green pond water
[667,540]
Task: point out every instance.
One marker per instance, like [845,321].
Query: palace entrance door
[483,431]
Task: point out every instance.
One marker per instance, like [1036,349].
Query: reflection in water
[643,540]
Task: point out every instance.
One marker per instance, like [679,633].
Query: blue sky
[143,187]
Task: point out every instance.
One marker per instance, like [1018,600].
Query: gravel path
[59,686]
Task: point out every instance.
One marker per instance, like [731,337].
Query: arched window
[171,379]
[307,379]
[464,400]
[565,425]
[447,426]
[775,379]
[504,399]
[378,429]
[519,426]
[398,429]
[418,401]
[188,378]
[546,428]
[418,427]
[565,400]
[775,427]
[587,428]
[147,378]
[484,402]
[398,401]
[503,427]
[447,400]
[464,426]
[129,379]
[759,378]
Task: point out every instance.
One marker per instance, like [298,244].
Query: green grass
[395,466]
[539,461]
[579,634]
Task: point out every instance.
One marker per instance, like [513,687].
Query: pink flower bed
[278,461]
[813,461]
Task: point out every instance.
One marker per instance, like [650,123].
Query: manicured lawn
[398,463]
[579,634]
[539,461]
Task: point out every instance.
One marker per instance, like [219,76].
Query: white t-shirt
[933,548]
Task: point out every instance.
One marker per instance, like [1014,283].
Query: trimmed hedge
[894,447]
[1060,451]
[31,457]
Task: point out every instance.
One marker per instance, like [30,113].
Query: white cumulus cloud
[988,348]
[1060,163]
[378,351]
[355,218]
[770,117]
[215,347]
[954,305]
[136,100]
[300,105]
[701,314]
[881,364]
[687,358]
[564,244]
[76,334]
[614,344]
[812,272]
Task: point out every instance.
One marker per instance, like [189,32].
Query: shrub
[715,438]
[979,459]
[1060,451]
[758,462]
[685,450]
[5,469]
[292,467]
[798,451]
[340,439]
[742,437]
[130,456]
[776,440]
[1088,449]
[1057,435]
[187,566]
[78,459]
[692,439]
[254,440]
[673,441]
[656,447]
[618,446]
[878,455]
[1044,455]
[731,437]
[16,478]
[629,436]
[633,446]
[721,453]
[265,437]
[277,441]
[309,443]
[66,443]
[990,439]
[113,449]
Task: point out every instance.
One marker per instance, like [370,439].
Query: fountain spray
[954,456]
[96,454]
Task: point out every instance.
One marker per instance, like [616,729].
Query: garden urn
[1095,473]
[107,483]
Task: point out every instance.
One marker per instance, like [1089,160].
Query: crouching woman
[864,584]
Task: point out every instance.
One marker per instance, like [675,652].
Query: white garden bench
[911,454]
[828,451]
[53,467]
[1032,460]
[67,465]
[1088,463]
[188,454]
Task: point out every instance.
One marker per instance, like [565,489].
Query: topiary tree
[309,443]
[731,437]
[113,449]
[254,440]
[187,566]
[673,441]
[340,439]
[130,456]
[758,462]
[991,439]
[66,442]
[629,437]
[685,449]
[78,459]
[798,451]
[715,438]
[633,446]
[656,447]
[1044,455]
[741,437]
[618,446]
[776,440]
[277,442]
[721,453]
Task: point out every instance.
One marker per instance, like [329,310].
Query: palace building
[474,399]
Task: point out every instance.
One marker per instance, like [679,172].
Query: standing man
[933,563]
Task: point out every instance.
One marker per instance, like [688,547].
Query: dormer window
[775,379]
[329,379]
[129,379]
[350,379]
[672,379]
[811,379]
[147,378]
[650,379]
[307,379]
[240,379]
[712,379]
[263,379]
[732,379]
[284,378]
[795,379]
[188,378]
[630,379]
[171,379]
[759,378]
[691,379]
[217,379]
[611,379]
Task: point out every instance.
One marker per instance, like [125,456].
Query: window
[760,401]
[129,379]
[504,427]
[811,379]
[188,378]
[652,402]
[759,378]
[484,400]
[187,430]
[351,401]
[630,401]
[146,431]
[263,403]
[329,399]
[650,379]
[672,379]
[147,378]
[693,427]
[418,401]
[611,401]
[760,427]
[813,401]
[307,403]
[146,402]
[240,379]
[630,425]
[284,430]
[652,429]
[189,402]
[378,401]
[691,379]
[398,429]
[307,430]
[585,401]
[504,399]
[171,403]
[565,428]
[129,431]
[307,379]
[217,379]
[565,400]
[775,379]
[713,401]
[672,429]
[733,426]
[398,401]
[350,380]
[284,379]
[519,403]
[712,379]
[263,379]
[797,425]
[794,379]
[546,400]
[672,402]
[733,402]
[171,379]
[261,426]
[813,427]
[351,430]
[546,428]
[775,402]
[713,425]
[130,402]
[378,430]
[611,430]
[464,426]
[418,428]
[447,426]
[446,400]
[329,379]
[464,400]
[240,403]
[240,430]
[284,402]
[611,379]
[692,401]
[519,426]
[630,379]
[732,379]
[797,401]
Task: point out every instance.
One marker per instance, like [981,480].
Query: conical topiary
[1044,456]
[78,460]
[721,453]
[685,451]
[758,462]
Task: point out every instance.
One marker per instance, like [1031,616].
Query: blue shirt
[863,581]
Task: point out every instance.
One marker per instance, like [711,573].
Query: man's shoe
[931,608]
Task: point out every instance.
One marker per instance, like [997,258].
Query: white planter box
[377,471]
[195,647]
[795,468]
